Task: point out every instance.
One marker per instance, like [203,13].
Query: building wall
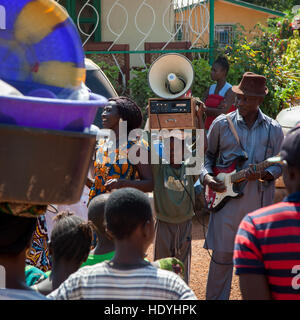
[227,13]
[144,20]
[232,14]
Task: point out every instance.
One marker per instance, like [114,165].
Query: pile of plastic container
[45,108]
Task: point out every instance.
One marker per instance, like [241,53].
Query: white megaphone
[171,76]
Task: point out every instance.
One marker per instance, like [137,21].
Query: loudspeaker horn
[171,76]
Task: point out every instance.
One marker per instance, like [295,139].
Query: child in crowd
[129,220]
[17,225]
[174,201]
[218,98]
[105,248]
[69,247]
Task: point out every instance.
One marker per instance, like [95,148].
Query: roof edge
[256,7]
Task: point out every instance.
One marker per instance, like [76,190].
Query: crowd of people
[103,257]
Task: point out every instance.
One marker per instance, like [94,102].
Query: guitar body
[216,200]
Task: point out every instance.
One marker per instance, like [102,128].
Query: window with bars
[182,30]
[179,35]
[224,34]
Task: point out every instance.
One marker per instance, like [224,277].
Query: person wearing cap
[260,137]
[267,251]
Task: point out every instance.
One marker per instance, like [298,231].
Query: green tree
[280,5]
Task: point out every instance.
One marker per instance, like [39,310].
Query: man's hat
[290,148]
[252,84]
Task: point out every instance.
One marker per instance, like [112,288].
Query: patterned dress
[112,164]
[38,255]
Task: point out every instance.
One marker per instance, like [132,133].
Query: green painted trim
[87,20]
[146,51]
[256,7]
[71,8]
[243,4]
[211,30]
[98,33]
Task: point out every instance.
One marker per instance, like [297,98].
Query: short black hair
[125,210]
[71,237]
[223,62]
[129,111]
[96,213]
[15,233]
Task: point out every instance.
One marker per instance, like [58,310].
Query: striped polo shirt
[103,281]
[268,242]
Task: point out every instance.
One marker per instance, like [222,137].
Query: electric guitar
[228,175]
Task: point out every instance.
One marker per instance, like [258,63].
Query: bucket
[41,166]
[48,113]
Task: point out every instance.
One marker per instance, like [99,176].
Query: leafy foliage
[280,5]
[139,87]
[202,79]
[274,53]
[112,73]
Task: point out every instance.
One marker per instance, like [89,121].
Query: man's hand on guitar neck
[252,174]
[214,184]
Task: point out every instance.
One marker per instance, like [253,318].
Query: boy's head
[96,214]
[71,238]
[15,233]
[219,69]
[128,212]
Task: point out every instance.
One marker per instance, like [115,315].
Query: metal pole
[98,35]
[211,30]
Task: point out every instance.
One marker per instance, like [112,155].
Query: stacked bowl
[45,108]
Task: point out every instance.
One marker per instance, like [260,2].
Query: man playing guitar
[259,138]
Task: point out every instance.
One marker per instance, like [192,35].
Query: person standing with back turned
[267,251]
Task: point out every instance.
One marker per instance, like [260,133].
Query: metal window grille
[224,34]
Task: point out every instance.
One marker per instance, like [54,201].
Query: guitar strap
[233,130]
[264,183]
[268,141]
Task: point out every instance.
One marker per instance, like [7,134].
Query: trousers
[219,276]
[174,240]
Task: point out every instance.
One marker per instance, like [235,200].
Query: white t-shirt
[222,92]
[104,282]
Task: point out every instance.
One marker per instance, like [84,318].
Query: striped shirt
[268,242]
[104,282]
[17,294]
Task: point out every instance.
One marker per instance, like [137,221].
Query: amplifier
[172,114]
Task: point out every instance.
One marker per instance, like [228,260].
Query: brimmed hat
[290,148]
[252,84]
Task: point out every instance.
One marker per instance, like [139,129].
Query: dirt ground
[200,264]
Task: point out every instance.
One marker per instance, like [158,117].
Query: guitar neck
[241,175]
